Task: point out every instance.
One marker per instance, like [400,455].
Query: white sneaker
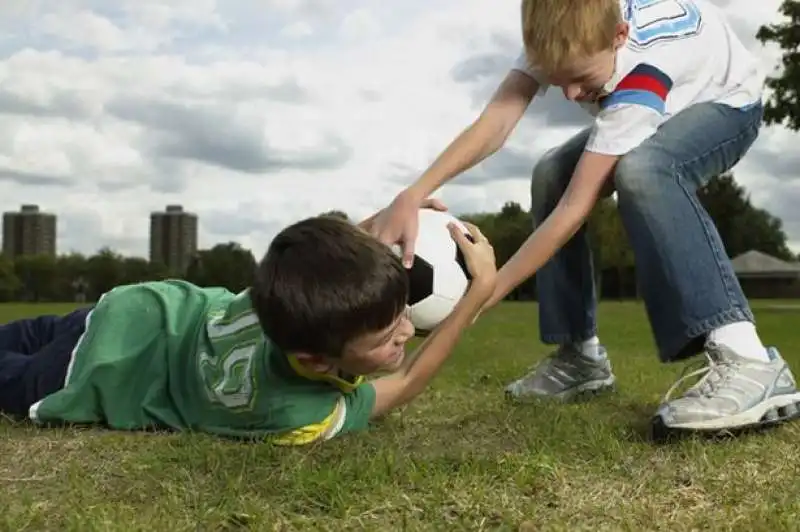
[734,393]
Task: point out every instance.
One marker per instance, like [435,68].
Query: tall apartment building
[173,238]
[29,232]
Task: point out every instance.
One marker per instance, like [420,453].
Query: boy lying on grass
[284,360]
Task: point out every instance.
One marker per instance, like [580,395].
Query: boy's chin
[395,364]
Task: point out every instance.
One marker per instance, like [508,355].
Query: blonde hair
[556,33]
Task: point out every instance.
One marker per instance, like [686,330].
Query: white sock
[590,347]
[742,338]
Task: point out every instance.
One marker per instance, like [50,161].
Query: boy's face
[584,80]
[379,351]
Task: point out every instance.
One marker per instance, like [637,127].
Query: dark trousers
[34,357]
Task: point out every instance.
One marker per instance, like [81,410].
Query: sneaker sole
[772,412]
[585,390]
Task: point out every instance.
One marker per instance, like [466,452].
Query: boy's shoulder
[169,289]
[658,23]
[170,296]
[268,393]
[679,53]
[306,406]
[678,36]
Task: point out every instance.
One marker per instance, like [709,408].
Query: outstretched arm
[483,137]
[397,224]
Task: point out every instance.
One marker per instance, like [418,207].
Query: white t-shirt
[679,53]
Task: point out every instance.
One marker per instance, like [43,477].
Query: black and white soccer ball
[439,277]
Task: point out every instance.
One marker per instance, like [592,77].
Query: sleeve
[348,412]
[357,408]
[522,64]
[632,112]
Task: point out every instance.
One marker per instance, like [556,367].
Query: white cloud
[361,24]
[254,114]
[86,28]
[298,30]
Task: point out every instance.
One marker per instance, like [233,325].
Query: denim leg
[25,378]
[565,284]
[684,273]
[28,336]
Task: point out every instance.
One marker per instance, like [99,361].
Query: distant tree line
[742,226]
[76,277]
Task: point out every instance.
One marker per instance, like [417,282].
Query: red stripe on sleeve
[643,82]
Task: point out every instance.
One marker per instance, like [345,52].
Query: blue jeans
[34,357]
[684,273]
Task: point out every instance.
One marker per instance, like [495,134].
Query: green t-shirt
[171,355]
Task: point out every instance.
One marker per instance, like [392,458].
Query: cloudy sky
[234,108]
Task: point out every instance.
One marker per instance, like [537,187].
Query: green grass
[460,458]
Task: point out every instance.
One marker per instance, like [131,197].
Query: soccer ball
[439,277]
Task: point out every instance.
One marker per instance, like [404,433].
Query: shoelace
[715,373]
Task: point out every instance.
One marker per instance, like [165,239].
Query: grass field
[460,458]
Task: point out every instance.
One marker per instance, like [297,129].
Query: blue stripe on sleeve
[634,97]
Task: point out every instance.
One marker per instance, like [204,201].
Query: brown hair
[323,282]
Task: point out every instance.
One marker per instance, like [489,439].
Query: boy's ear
[315,363]
[621,36]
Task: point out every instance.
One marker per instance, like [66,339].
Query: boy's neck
[314,364]
[321,366]
[328,373]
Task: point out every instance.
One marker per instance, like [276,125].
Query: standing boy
[677,100]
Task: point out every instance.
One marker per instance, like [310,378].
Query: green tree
[507,231]
[139,270]
[783,106]
[609,240]
[71,276]
[9,282]
[104,271]
[38,276]
[611,251]
[228,265]
[742,226]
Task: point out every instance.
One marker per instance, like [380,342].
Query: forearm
[484,137]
